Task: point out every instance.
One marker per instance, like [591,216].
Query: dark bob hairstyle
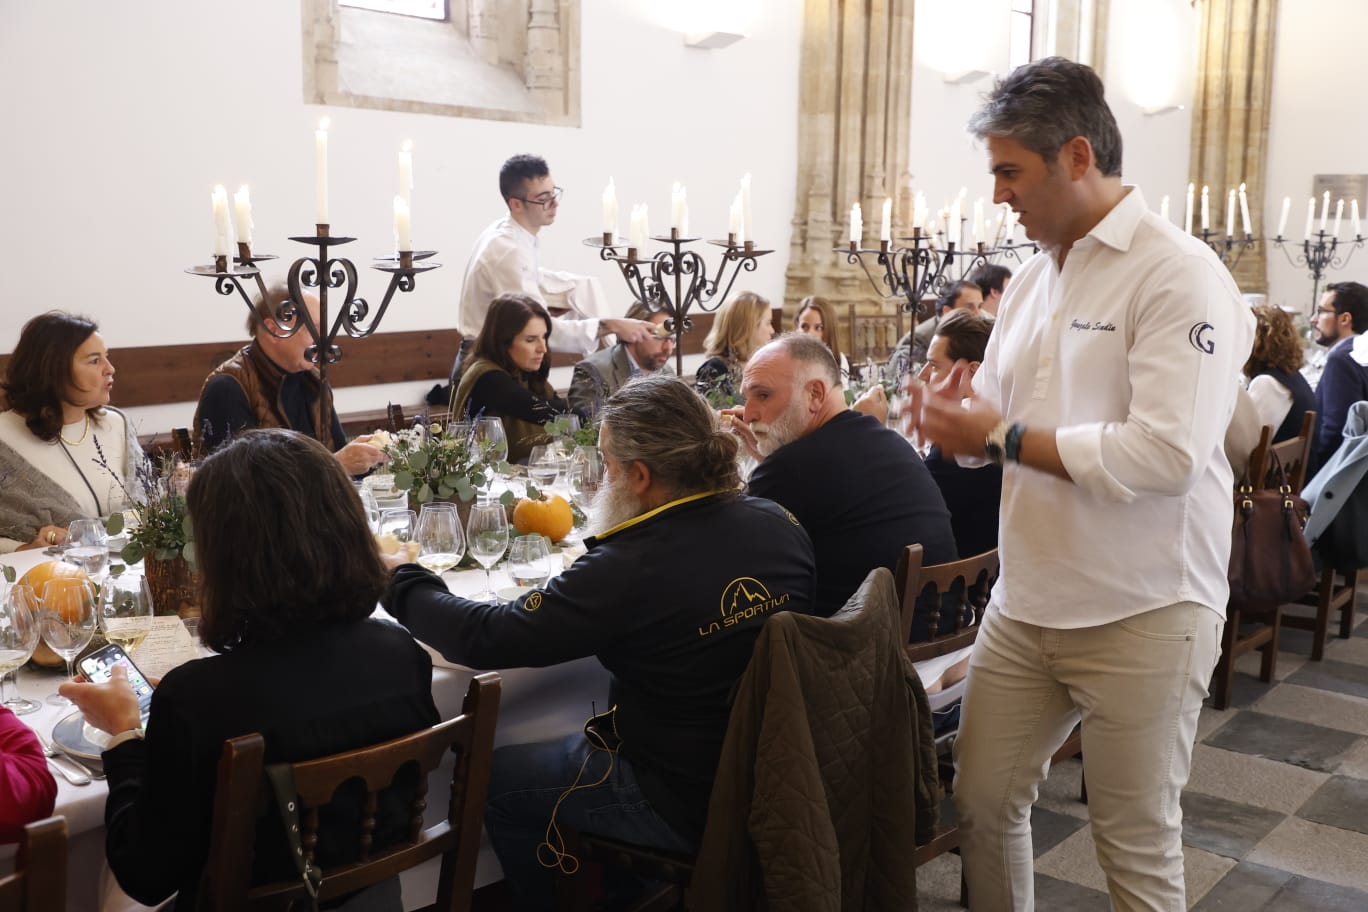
[507,316]
[40,369]
[281,541]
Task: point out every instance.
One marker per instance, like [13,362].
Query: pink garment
[27,790]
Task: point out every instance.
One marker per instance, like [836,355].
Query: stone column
[482,27]
[854,137]
[1230,115]
[544,64]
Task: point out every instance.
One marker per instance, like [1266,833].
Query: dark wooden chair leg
[964,886]
[1222,679]
[1321,628]
[1269,666]
[1347,610]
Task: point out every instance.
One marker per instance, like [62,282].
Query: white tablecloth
[536,704]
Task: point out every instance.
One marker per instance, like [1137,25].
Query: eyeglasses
[545,199]
[1325,310]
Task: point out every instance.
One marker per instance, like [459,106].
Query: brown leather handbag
[1270,560]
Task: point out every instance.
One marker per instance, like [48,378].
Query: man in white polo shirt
[1106,391]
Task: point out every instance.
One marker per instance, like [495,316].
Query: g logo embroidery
[1197,337]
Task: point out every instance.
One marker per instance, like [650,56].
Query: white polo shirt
[1129,352]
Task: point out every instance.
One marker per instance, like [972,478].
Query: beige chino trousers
[1137,685]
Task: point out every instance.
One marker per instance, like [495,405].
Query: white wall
[1316,127]
[975,34]
[121,117]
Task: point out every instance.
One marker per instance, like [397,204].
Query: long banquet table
[536,704]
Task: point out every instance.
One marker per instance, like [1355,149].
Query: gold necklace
[83,434]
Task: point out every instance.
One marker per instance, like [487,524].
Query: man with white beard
[859,489]
[678,577]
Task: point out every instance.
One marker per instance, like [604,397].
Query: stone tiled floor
[1275,813]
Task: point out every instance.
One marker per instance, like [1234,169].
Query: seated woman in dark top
[743,325]
[505,376]
[1281,394]
[289,576]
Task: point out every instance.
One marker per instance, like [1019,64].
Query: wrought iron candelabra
[324,273]
[675,280]
[923,268]
[1319,253]
[1228,248]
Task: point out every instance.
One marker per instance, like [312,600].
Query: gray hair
[662,423]
[814,359]
[1048,102]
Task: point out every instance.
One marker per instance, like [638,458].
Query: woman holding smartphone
[289,576]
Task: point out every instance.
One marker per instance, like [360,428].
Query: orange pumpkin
[550,517]
[36,577]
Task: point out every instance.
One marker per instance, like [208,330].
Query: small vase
[173,585]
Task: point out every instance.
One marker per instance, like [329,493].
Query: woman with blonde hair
[814,319]
[743,324]
[1281,394]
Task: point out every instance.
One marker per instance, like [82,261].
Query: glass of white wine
[69,619]
[441,543]
[88,546]
[126,611]
[18,639]
[492,443]
[487,539]
[529,561]
[544,465]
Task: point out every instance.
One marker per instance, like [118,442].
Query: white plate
[511,593]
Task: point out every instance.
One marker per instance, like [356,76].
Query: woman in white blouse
[1281,394]
[65,454]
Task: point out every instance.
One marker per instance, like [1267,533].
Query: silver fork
[77,773]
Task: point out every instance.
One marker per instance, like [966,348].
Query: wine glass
[126,611]
[460,430]
[492,441]
[585,473]
[487,539]
[543,465]
[441,543]
[371,508]
[396,530]
[88,546]
[18,639]
[529,561]
[69,618]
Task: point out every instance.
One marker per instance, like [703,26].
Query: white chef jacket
[505,261]
[1129,353]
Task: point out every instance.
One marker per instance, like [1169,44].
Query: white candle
[1187,212]
[610,210]
[1230,214]
[641,228]
[1353,214]
[679,208]
[856,225]
[321,172]
[1244,212]
[747,223]
[1206,208]
[1282,219]
[978,221]
[406,171]
[242,209]
[734,222]
[919,209]
[1310,215]
[1339,214]
[223,228]
[403,230]
[1325,209]
[886,221]
[954,228]
[1164,209]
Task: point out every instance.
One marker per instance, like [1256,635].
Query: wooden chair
[243,796]
[181,443]
[38,883]
[395,412]
[1293,455]
[873,336]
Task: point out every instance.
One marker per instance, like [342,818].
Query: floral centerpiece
[431,464]
[159,530]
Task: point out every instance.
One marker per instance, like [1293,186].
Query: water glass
[529,561]
[492,440]
[585,473]
[126,611]
[441,543]
[88,546]
[18,638]
[69,618]
[487,539]
[544,465]
[371,508]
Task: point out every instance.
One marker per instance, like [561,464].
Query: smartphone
[97,669]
